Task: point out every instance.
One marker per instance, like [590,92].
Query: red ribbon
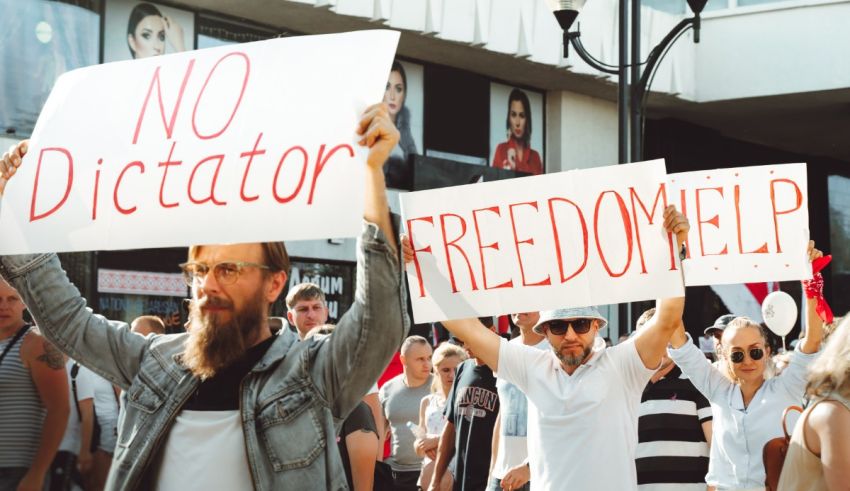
[814,288]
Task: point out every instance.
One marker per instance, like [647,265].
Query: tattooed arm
[47,369]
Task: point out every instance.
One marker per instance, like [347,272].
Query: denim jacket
[290,402]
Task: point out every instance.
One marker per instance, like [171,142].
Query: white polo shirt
[582,428]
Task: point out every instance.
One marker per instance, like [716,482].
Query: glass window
[681,6]
[744,3]
[214,32]
[669,6]
[41,40]
[457,114]
[839,237]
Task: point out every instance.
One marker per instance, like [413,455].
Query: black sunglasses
[738,356]
[559,327]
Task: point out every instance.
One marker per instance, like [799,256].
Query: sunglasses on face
[738,356]
[559,327]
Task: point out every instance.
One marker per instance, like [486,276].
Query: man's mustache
[214,302]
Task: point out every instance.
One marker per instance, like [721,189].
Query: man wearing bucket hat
[583,397]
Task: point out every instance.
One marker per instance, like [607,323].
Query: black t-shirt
[221,392]
[360,419]
[472,406]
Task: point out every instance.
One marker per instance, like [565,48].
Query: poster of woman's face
[404,98]
[142,29]
[516,129]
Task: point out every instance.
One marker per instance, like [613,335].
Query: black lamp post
[632,94]
[631,97]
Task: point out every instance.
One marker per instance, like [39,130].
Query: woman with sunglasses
[747,403]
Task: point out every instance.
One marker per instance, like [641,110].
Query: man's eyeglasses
[559,327]
[738,356]
[226,273]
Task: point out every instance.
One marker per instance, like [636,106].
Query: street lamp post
[631,95]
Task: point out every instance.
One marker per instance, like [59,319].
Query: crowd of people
[242,401]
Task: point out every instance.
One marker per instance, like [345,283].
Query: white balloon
[780,312]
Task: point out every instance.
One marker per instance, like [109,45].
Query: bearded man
[230,405]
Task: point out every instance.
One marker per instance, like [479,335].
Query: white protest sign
[574,238]
[254,142]
[748,224]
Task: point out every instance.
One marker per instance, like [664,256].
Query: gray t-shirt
[401,405]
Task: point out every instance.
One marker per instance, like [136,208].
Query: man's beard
[571,360]
[214,344]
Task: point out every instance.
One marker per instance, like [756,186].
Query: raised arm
[60,311]
[368,334]
[11,161]
[651,341]
[480,340]
[705,377]
[381,136]
[814,290]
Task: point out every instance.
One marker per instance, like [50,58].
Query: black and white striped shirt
[672,452]
[21,411]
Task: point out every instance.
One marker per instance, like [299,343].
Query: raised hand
[676,223]
[10,162]
[378,133]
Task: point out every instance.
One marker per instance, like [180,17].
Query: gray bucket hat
[571,313]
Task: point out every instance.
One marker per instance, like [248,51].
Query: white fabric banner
[748,224]
[253,142]
[573,238]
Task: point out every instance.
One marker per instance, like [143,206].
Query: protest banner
[748,224]
[575,238]
[254,142]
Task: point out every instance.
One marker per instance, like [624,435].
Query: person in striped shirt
[674,430]
[34,400]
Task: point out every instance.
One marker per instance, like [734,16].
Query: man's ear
[290,317]
[275,286]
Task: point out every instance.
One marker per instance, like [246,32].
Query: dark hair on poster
[522,98]
[397,170]
[148,31]
[513,144]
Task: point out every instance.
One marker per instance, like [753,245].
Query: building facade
[767,83]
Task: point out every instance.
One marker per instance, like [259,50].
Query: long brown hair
[830,373]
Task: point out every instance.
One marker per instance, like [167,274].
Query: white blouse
[739,434]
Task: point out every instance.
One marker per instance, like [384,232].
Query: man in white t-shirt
[583,397]
[509,463]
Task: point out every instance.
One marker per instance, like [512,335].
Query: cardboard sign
[574,238]
[254,142]
[748,225]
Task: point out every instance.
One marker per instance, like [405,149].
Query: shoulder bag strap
[18,335]
[785,417]
[75,369]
